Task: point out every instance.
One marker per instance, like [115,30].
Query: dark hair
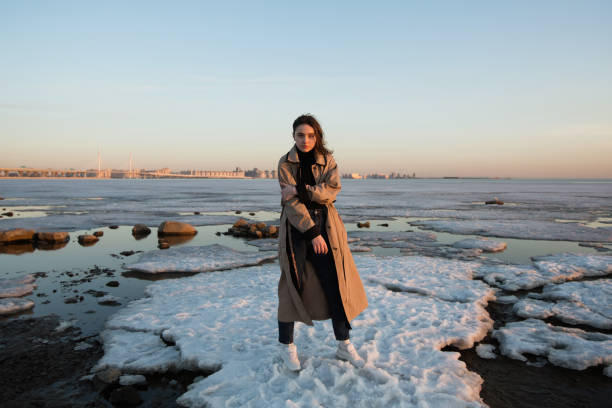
[310,120]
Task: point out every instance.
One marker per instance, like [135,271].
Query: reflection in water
[50,246]
[177,239]
[17,249]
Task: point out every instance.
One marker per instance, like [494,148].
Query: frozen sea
[433,261]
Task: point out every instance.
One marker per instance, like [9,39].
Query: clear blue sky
[486,88]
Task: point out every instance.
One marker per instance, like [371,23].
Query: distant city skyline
[468,89]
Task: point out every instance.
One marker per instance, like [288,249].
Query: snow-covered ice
[17,287]
[575,266]
[521,228]
[14,305]
[547,269]
[264,244]
[487,245]
[132,379]
[566,347]
[585,302]
[441,278]
[226,321]
[486,351]
[197,259]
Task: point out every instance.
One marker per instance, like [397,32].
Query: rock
[16,235]
[258,234]
[271,231]
[108,376]
[98,233]
[140,230]
[87,239]
[132,379]
[71,300]
[251,213]
[8,214]
[363,224]
[238,212]
[176,228]
[52,237]
[17,249]
[109,302]
[218,233]
[260,225]
[383,225]
[128,253]
[163,245]
[241,223]
[112,284]
[196,213]
[1,198]
[125,396]
[495,201]
[113,226]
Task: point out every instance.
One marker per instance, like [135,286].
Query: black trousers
[325,269]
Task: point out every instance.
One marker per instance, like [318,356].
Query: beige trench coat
[311,304]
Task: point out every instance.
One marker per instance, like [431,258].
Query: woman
[318,279]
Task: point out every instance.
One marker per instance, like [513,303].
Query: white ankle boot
[288,353]
[346,351]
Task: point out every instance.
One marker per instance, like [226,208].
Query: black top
[305,177]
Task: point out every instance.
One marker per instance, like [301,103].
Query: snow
[14,305]
[197,259]
[486,351]
[379,237]
[226,322]
[524,228]
[547,269]
[575,265]
[444,279]
[586,302]
[64,324]
[608,371]
[485,244]
[17,287]
[132,379]
[562,346]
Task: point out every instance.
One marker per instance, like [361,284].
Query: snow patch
[227,321]
[17,287]
[482,243]
[14,305]
[486,351]
[585,302]
[197,259]
[562,346]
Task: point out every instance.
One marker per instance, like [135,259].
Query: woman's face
[304,137]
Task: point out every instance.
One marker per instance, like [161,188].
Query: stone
[140,229]
[163,245]
[125,396]
[383,225]
[196,213]
[112,284]
[176,228]
[495,201]
[363,224]
[238,212]
[260,225]
[271,231]
[8,214]
[98,233]
[241,223]
[16,235]
[59,236]
[113,226]
[71,300]
[108,376]
[251,213]
[87,239]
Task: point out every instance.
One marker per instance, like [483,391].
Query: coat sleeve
[297,213]
[325,192]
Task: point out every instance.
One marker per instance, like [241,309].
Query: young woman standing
[318,279]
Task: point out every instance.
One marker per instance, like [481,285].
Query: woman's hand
[319,245]
[288,191]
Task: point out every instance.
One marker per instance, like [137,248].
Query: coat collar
[292,156]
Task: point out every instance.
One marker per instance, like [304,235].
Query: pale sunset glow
[494,89]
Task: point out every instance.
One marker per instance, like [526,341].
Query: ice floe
[547,269]
[197,259]
[486,351]
[14,305]
[522,229]
[17,287]
[587,302]
[226,322]
[485,244]
[441,278]
[562,346]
